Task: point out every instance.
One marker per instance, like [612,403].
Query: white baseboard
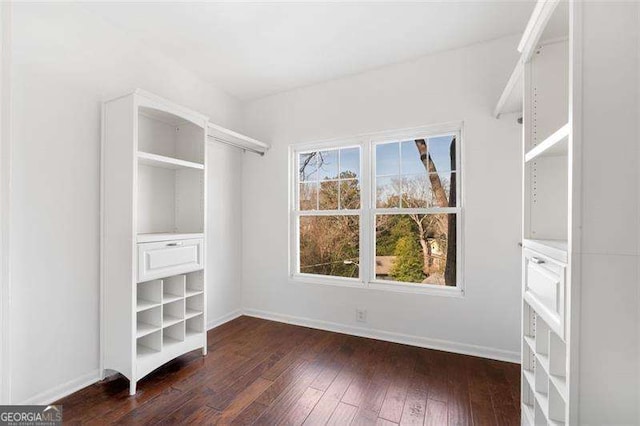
[60,391]
[406,339]
[223,319]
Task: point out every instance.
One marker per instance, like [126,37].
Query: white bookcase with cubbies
[153,232]
[540,90]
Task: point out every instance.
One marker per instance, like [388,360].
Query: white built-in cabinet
[540,89]
[153,292]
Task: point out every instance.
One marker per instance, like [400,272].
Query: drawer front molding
[167,258]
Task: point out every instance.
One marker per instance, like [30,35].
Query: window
[382,211]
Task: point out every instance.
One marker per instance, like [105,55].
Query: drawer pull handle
[174,244]
[537,260]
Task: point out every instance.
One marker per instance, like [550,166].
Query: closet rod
[226,142]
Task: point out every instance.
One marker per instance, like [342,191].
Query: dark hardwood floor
[263,372]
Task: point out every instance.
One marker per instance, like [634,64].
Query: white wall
[456,85]
[65,61]
[610,287]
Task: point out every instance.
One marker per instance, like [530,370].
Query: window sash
[368,210]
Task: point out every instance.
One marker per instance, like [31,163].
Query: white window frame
[368,210]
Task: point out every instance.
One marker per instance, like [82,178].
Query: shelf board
[528,411]
[229,137]
[191,292]
[168,298]
[556,249]
[511,99]
[145,351]
[167,236]
[530,342]
[156,160]
[143,329]
[168,320]
[553,146]
[543,361]
[560,384]
[529,376]
[143,305]
[191,313]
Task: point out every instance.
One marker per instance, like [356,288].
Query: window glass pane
[308,196]
[411,163]
[350,163]
[328,198]
[443,189]
[388,159]
[416,191]
[416,248]
[349,194]
[329,245]
[441,149]
[328,164]
[308,166]
[388,192]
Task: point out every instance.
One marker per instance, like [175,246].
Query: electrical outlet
[361,315]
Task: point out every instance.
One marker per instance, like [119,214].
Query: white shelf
[142,329]
[168,298]
[229,137]
[556,249]
[191,313]
[167,236]
[168,320]
[528,412]
[190,292]
[145,351]
[511,98]
[143,305]
[560,384]
[530,342]
[156,160]
[553,146]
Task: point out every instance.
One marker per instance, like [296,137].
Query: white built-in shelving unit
[153,231]
[540,90]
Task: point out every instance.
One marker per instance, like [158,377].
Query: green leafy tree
[408,265]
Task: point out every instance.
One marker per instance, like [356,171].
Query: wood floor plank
[264,372]
[436,413]
[342,415]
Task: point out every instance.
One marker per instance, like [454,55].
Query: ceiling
[252,50]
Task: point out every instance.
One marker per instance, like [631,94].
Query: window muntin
[408,212]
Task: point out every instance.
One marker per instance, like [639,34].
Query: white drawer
[544,288]
[167,258]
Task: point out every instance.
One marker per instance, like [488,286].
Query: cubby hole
[557,405]
[174,334]
[164,134]
[149,295]
[538,414]
[173,288]
[195,326]
[194,283]
[528,400]
[173,313]
[170,201]
[149,344]
[148,321]
[542,337]
[195,306]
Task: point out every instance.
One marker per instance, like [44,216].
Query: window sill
[434,290]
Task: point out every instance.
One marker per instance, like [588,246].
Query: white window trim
[368,211]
